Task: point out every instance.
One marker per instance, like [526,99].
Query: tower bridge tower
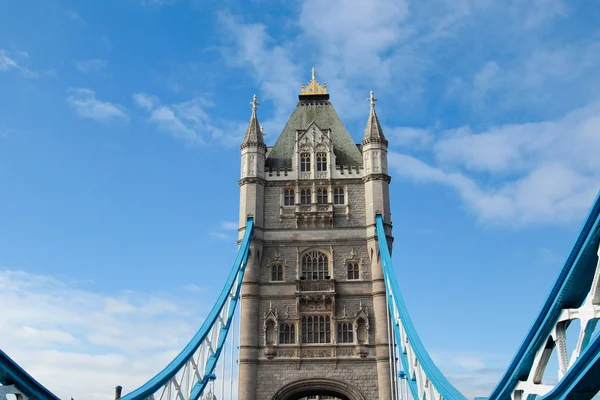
[313,305]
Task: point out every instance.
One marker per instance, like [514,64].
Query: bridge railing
[574,295]
[189,373]
[14,380]
[424,378]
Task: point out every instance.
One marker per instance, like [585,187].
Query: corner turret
[254,135]
[252,182]
[376,178]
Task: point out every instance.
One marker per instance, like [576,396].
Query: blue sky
[120,123]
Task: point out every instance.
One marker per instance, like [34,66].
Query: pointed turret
[254,135]
[373,131]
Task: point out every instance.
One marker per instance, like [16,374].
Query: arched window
[305,196]
[270,333]
[352,270]
[287,334]
[321,162]
[361,331]
[322,195]
[305,162]
[344,332]
[276,272]
[288,197]
[338,195]
[315,265]
[316,329]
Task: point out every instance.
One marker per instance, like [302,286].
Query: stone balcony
[314,215]
[315,295]
[315,286]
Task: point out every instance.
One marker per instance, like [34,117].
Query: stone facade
[313,311]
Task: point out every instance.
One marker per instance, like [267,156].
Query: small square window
[276,272]
[322,195]
[305,162]
[288,197]
[321,162]
[353,271]
[338,195]
[305,196]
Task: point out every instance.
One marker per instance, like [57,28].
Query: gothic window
[276,272]
[338,195]
[287,334]
[315,265]
[344,332]
[316,329]
[361,331]
[305,162]
[305,196]
[322,195]
[321,162]
[352,269]
[288,197]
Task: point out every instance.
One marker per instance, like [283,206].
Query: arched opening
[318,388]
[317,395]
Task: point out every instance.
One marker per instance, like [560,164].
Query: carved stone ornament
[287,353]
[346,352]
[315,353]
[270,352]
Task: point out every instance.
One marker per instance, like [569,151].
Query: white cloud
[517,174]
[403,136]
[145,100]
[92,65]
[85,103]
[7,63]
[229,226]
[271,64]
[187,121]
[82,343]
[472,374]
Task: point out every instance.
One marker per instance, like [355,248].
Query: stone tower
[313,310]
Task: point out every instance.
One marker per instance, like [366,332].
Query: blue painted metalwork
[582,381]
[569,291]
[12,374]
[432,372]
[158,381]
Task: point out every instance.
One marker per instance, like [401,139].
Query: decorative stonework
[315,286]
[315,305]
[316,353]
[346,352]
[287,353]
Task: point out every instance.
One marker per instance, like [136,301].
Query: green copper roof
[315,108]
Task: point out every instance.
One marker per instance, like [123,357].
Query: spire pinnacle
[372,99]
[373,131]
[255,103]
[254,134]
[314,87]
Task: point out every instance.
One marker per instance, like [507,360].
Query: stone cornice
[254,144]
[247,180]
[377,177]
[319,182]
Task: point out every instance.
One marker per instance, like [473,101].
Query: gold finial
[313,86]
[254,103]
[372,99]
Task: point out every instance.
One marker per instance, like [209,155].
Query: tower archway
[303,388]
